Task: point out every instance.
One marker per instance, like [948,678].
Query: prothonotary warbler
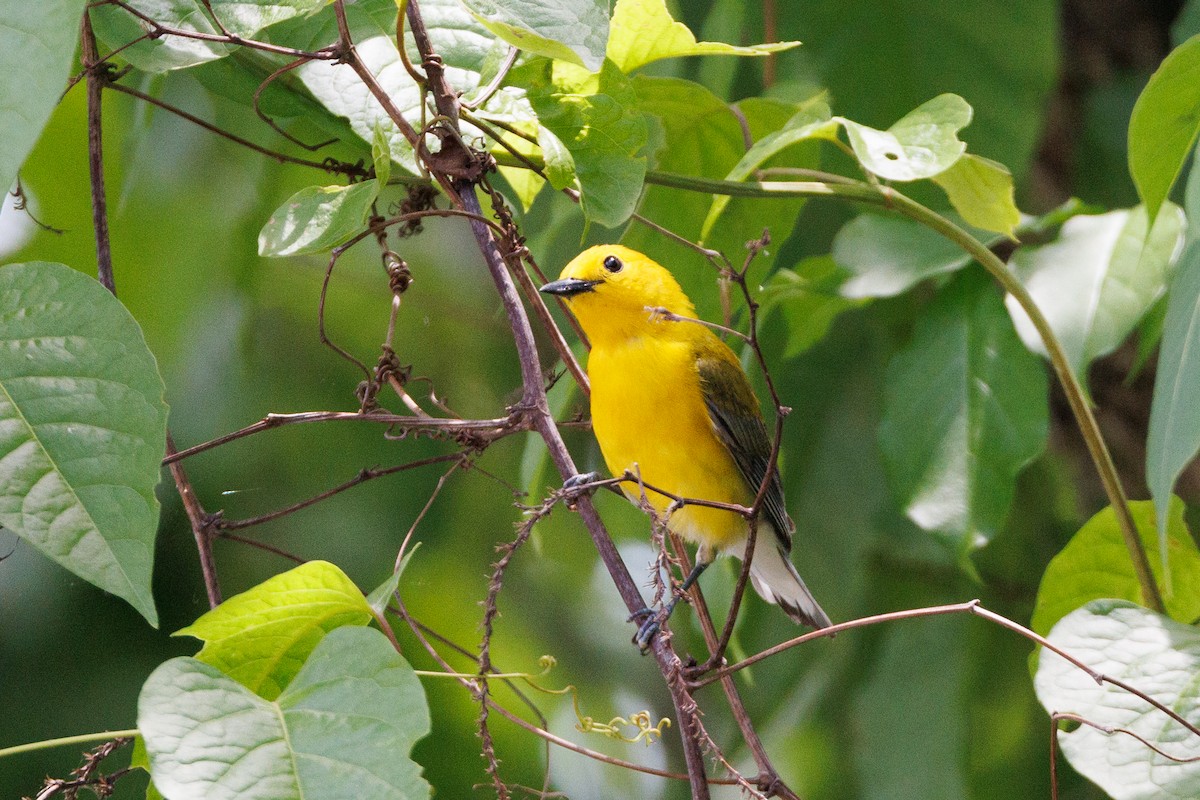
[671,404]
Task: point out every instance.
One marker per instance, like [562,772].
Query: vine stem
[83,738]
[96,79]
[889,198]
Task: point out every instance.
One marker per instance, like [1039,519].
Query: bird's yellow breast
[649,416]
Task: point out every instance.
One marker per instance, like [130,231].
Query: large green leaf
[878,60]
[569,30]
[920,144]
[82,428]
[1095,564]
[262,636]
[594,118]
[1096,280]
[644,31]
[964,411]
[701,136]
[117,27]
[1165,123]
[1154,654]
[1174,436]
[342,729]
[885,255]
[317,218]
[36,53]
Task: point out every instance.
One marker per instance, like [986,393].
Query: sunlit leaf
[569,30]
[1164,124]
[920,145]
[1152,653]
[964,411]
[262,636]
[84,429]
[594,119]
[1095,564]
[317,218]
[343,728]
[981,191]
[1096,280]
[35,59]
[643,31]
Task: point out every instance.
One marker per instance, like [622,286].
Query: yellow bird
[671,403]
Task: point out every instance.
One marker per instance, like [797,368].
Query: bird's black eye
[613,264]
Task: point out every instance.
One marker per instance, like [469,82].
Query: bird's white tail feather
[777,581]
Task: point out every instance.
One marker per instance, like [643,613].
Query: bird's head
[612,291]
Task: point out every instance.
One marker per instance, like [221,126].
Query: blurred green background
[931,709]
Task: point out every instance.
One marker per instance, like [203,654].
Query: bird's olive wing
[736,418]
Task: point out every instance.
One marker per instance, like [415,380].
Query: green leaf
[922,144]
[466,47]
[36,54]
[808,300]
[964,411]
[810,123]
[317,219]
[1174,436]
[643,31]
[702,136]
[1095,564]
[262,636]
[886,255]
[981,191]
[560,166]
[569,30]
[1150,652]
[84,429]
[881,59]
[117,27]
[1096,280]
[381,595]
[343,728]
[1164,124]
[593,117]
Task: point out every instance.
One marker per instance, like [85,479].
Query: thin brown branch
[481,430]
[203,525]
[97,78]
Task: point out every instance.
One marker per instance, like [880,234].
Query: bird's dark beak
[569,287]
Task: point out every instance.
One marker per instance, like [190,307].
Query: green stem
[889,198]
[83,738]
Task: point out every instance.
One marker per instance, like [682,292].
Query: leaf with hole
[920,145]
[343,728]
[84,429]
